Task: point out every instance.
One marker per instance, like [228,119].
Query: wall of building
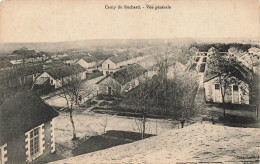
[3,154]
[52,80]
[85,64]
[213,95]
[108,82]
[112,65]
[48,140]
[18,148]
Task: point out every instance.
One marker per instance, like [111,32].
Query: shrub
[109,98]
[113,103]
[93,102]
[100,97]
[103,103]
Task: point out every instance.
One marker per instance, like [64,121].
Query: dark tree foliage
[222,47]
[226,67]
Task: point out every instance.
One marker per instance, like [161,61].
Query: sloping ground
[198,142]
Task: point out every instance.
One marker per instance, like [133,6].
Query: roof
[119,58]
[41,80]
[240,72]
[21,71]
[126,74]
[254,49]
[22,112]
[88,59]
[64,71]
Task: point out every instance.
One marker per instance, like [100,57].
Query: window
[235,88]
[51,81]
[202,67]
[1,156]
[34,142]
[108,66]
[217,86]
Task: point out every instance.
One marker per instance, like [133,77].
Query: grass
[88,103]
[107,140]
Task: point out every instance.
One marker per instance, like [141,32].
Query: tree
[71,92]
[224,67]
[165,58]
[183,92]
[25,53]
[142,98]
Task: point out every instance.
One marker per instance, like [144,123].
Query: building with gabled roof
[117,62]
[27,128]
[54,77]
[254,51]
[238,91]
[121,81]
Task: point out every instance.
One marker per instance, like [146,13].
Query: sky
[67,20]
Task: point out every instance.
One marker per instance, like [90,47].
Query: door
[235,94]
[217,93]
[109,91]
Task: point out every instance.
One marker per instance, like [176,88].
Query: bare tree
[184,89]
[166,57]
[142,99]
[224,67]
[71,93]
[104,123]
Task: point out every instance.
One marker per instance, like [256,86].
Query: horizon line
[191,38]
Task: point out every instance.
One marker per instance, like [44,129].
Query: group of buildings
[240,86]
[27,128]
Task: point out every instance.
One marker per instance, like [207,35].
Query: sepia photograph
[129,81]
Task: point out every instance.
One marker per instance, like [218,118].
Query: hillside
[195,143]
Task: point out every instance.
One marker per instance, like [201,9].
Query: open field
[89,125]
[195,143]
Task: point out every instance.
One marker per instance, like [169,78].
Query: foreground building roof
[22,112]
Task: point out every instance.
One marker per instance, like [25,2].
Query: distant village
[53,102]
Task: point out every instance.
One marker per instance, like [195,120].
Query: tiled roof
[41,80]
[240,72]
[119,58]
[254,49]
[126,74]
[22,112]
[64,71]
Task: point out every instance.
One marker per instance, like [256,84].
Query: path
[55,100]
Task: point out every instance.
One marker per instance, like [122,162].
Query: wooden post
[256,110]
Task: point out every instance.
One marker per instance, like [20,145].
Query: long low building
[56,77]
[121,81]
[115,63]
